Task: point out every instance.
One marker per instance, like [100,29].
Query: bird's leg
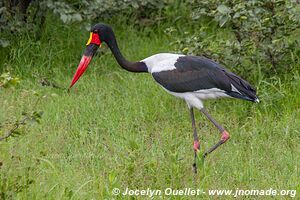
[224,134]
[196,139]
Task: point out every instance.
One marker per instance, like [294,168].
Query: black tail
[242,89]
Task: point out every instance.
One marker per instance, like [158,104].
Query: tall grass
[119,129]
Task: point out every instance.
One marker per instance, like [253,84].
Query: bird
[191,78]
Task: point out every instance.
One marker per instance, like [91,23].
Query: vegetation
[121,130]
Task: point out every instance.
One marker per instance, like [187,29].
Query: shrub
[23,16]
[264,33]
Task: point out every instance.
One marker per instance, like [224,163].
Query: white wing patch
[161,62]
[195,99]
[234,89]
[211,93]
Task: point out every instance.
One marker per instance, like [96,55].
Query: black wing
[194,73]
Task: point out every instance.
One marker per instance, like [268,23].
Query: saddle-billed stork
[191,78]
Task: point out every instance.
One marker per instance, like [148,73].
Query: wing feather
[194,73]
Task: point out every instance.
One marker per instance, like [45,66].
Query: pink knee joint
[225,136]
[196,145]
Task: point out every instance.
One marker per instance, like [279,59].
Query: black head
[104,31]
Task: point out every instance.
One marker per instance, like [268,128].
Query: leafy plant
[7,80]
[16,19]
[259,33]
[33,116]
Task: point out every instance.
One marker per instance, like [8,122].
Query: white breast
[161,62]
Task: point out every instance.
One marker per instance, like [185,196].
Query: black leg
[196,140]
[224,134]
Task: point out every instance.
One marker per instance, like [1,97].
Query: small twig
[45,82]
[271,59]
[18,124]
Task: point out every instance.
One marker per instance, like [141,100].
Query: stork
[191,78]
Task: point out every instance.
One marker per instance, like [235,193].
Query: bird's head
[99,33]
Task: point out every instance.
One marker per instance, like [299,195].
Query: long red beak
[84,62]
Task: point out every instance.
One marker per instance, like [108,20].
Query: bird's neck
[125,64]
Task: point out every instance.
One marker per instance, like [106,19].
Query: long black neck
[125,64]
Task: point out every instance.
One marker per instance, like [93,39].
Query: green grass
[119,129]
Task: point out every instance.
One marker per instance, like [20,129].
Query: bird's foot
[224,137]
[195,163]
